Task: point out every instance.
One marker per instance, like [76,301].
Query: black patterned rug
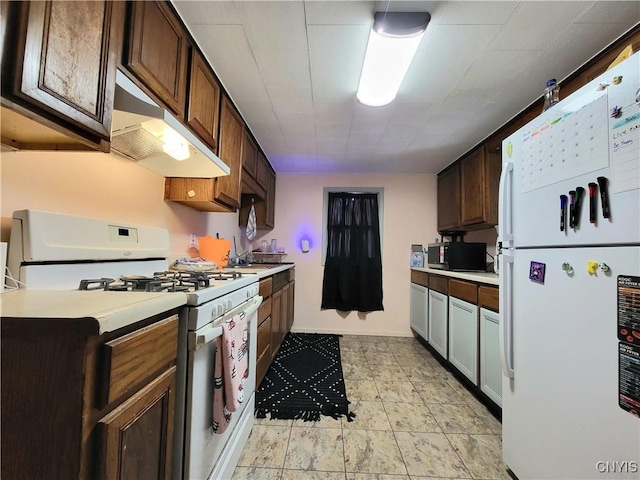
[305,380]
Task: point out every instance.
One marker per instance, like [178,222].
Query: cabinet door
[290,304]
[490,363]
[262,170]
[227,188]
[419,310]
[449,198]
[270,204]
[463,337]
[67,59]
[276,322]
[136,438]
[472,188]
[203,112]
[249,155]
[157,53]
[437,318]
[284,315]
[264,350]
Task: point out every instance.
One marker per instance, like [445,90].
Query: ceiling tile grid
[293,67]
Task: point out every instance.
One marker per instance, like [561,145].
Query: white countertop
[111,310]
[478,277]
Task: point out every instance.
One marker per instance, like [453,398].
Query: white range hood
[152,137]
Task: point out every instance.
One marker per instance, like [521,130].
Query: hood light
[173,143]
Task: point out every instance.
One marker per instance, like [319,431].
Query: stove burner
[168,281]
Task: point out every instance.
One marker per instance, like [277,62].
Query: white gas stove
[52,251]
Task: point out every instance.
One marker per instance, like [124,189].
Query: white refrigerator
[570,285]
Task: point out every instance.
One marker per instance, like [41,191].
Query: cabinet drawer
[420,278]
[439,284]
[280,279]
[464,290]
[489,297]
[131,359]
[266,287]
[264,310]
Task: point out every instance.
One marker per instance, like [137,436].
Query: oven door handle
[209,333]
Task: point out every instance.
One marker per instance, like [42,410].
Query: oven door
[208,454]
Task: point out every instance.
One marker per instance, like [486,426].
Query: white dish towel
[251,224]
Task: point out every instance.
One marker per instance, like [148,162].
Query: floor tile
[369,416]
[266,447]
[411,417]
[388,372]
[392,391]
[324,422]
[380,357]
[356,370]
[358,389]
[275,422]
[353,356]
[315,449]
[430,454]
[458,419]
[421,374]
[375,476]
[372,452]
[437,390]
[311,475]
[256,473]
[481,454]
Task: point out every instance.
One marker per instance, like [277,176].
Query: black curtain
[353,265]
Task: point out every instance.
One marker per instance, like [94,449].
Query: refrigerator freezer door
[560,411]
[570,146]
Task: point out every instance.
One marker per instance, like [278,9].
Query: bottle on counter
[551,94]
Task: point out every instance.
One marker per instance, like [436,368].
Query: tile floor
[414,421]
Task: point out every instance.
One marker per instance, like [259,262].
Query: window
[353,261]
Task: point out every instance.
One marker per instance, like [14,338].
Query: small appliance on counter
[417,256]
[457,254]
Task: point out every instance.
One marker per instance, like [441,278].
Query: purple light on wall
[306,231]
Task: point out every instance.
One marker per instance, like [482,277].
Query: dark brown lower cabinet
[137,436]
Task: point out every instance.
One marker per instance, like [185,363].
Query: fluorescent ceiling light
[393,42]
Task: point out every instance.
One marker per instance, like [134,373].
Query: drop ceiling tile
[274,25]
[412,113]
[431,140]
[284,68]
[494,69]
[360,153]
[534,28]
[339,13]
[625,13]
[333,112]
[291,100]
[400,132]
[373,115]
[445,123]
[207,13]
[466,100]
[477,13]
[257,111]
[332,131]
[364,138]
[335,70]
[236,52]
[297,122]
[334,147]
[392,147]
[449,54]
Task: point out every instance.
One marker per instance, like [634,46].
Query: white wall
[409,217]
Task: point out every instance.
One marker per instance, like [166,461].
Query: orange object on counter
[215,250]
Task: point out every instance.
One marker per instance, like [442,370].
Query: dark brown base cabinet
[79,405]
[275,317]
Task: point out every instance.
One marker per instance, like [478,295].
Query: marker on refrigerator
[563,211]
[604,195]
[593,187]
[578,207]
[572,208]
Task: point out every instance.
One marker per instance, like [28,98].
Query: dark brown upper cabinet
[231,140]
[157,52]
[59,68]
[203,110]
[449,198]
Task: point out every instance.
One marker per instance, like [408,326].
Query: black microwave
[457,256]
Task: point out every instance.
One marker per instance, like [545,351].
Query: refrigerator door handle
[505,195]
[506,314]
